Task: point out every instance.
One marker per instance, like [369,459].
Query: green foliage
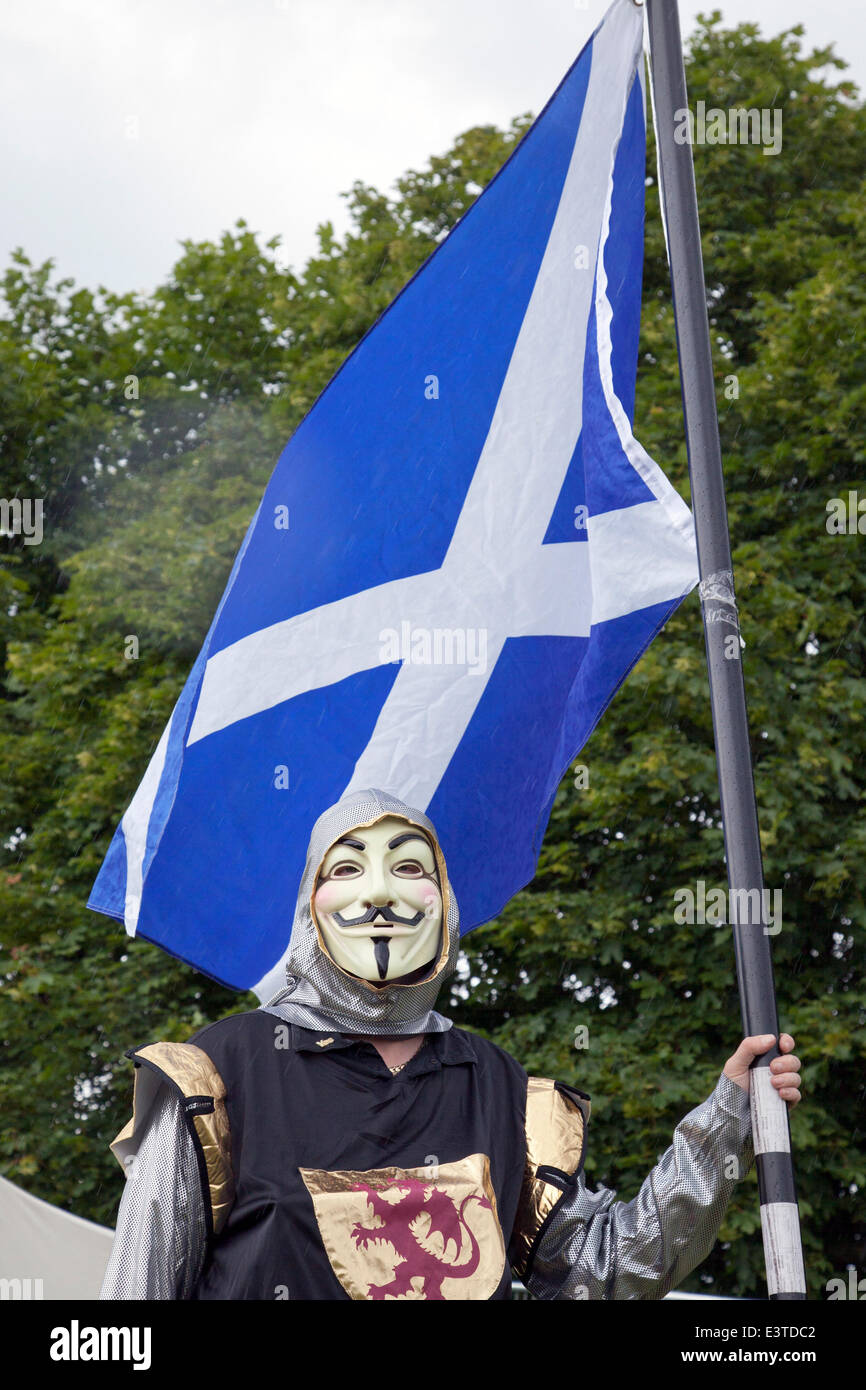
[150,426]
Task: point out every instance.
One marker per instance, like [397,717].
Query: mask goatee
[382,953]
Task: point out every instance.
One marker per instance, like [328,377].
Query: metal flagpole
[770,1124]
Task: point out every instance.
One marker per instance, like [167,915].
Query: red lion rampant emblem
[413,1261]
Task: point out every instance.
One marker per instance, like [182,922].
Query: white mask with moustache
[378,903]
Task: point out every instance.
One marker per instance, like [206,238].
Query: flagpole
[770,1122]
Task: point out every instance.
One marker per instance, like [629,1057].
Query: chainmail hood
[319,994]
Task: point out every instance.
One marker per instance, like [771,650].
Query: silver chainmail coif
[321,995]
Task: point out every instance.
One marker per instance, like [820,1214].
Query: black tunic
[318,1126]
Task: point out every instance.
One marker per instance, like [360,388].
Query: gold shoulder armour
[556,1121]
[201,1091]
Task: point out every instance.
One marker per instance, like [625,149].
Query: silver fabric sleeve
[161,1237]
[596,1247]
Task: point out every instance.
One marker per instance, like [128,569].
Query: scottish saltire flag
[459,557]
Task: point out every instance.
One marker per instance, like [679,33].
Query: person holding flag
[347,1141]
[461,554]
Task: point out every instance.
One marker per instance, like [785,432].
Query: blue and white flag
[459,557]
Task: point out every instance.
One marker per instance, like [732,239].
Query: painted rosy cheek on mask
[332,894]
[420,893]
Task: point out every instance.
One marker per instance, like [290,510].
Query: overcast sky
[128,125]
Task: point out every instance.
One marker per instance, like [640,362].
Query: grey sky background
[129,125]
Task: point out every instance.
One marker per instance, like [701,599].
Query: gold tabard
[425,1234]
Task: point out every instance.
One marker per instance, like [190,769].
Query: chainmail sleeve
[595,1247]
[161,1237]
